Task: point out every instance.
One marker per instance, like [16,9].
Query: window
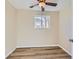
[41,22]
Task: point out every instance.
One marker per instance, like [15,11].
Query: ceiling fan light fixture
[41,4]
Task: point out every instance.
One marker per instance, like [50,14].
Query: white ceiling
[24,4]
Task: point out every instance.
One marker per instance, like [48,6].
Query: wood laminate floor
[39,53]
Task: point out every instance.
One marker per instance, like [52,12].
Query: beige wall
[65,26]
[10,28]
[28,36]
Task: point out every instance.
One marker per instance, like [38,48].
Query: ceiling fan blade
[33,5]
[51,4]
[42,9]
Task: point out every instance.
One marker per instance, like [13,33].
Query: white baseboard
[10,53]
[35,46]
[65,50]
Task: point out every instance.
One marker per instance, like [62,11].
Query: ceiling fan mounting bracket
[41,1]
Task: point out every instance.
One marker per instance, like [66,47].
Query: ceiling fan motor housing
[41,3]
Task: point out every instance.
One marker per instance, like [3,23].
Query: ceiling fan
[42,3]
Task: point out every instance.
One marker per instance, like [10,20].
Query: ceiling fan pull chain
[42,13]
